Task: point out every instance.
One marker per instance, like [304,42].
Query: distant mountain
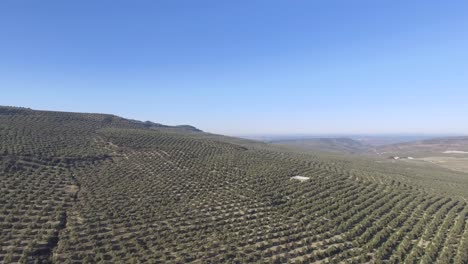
[341,145]
[381,140]
[437,146]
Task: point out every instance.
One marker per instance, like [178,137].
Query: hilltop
[98,188]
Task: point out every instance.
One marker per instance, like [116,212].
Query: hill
[436,146]
[449,152]
[96,188]
[340,145]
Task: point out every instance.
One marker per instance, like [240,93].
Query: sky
[243,67]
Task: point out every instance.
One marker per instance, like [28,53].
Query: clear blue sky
[243,67]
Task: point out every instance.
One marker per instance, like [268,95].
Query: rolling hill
[448,152]
[340,145]
[97,188]
[436,146]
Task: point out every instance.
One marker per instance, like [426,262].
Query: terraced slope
[86,188]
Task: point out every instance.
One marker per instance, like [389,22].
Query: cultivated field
[453,163]
[91,188]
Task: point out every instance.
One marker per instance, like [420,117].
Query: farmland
[95,188]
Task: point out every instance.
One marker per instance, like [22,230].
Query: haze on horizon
[243,67]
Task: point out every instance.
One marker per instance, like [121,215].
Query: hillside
[95,188]
[340,145]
